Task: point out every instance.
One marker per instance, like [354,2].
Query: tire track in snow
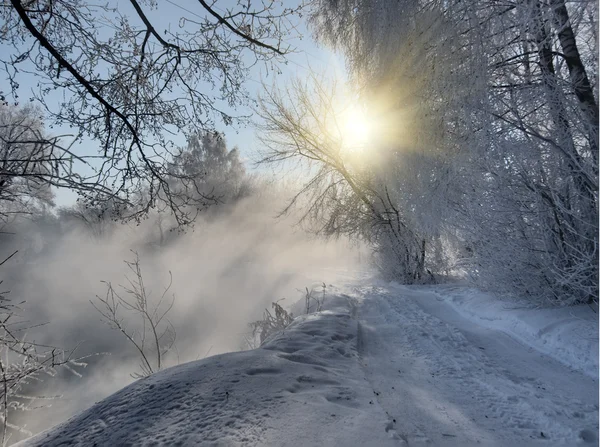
[459,393]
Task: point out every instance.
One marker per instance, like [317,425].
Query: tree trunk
[579,79]
[585,208]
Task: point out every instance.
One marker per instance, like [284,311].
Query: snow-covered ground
[381,366]
[570,335]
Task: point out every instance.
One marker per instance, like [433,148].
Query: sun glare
[357,128]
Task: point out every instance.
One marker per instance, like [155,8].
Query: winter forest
[175,175]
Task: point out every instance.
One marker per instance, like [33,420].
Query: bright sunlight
[357,128]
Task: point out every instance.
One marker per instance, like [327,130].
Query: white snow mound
[292,391]
[380,366]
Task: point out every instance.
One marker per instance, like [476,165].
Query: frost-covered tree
[490,132]
[533,209]
[217,170]
[344,194]
[405,69]
[131,74]
[29,163]
[25,363]
[97,219]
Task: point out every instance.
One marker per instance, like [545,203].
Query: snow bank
[300,388]
[567,334]
[375,369]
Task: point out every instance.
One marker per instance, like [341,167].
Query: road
[443,380]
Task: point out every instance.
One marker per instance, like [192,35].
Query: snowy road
[379,367]
[445,381]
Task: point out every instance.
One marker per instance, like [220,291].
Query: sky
[307,55]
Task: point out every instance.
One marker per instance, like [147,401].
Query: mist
[232,265]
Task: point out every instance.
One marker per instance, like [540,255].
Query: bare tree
[132,82]
[153,336]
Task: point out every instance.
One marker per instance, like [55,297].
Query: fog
[225,271]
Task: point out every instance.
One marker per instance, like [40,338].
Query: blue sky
[307,55]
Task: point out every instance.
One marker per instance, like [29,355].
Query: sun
[357,128]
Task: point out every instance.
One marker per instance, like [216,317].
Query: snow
[469,382]
[380,366]
[568,334]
